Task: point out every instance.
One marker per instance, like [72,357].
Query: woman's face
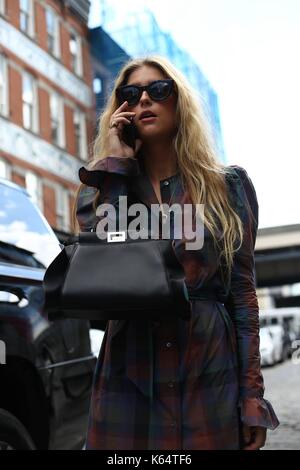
[163,125]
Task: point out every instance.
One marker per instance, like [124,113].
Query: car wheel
[13,434]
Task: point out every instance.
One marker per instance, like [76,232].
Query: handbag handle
[111,237]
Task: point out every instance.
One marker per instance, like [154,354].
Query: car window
[25,236]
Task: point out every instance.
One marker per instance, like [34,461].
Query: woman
[198,384]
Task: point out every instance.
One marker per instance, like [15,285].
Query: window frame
[37,196]
[78,67]
[4,107]
[30,30]
[61,142]
[62,212]
[101,81]
[56,48]
[81,142]
[8,168]
[35,106]
[3,7]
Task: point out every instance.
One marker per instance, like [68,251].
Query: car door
[58,353]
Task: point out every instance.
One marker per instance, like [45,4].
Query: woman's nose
[145,96]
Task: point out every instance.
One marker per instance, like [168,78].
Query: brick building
[47,106]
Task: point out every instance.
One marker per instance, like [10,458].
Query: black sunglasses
[158,90]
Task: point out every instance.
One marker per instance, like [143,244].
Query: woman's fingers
[119,119]
[121,112]
[124,120]
[127,113]
[123,106]
[258,438]
[246,434]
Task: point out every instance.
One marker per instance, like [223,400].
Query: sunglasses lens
[160,90]
[130,94]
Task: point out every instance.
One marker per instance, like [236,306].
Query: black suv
[46,368]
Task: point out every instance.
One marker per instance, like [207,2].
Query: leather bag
[116,278]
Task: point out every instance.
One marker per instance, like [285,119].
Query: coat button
[168,344]
[166,183]
[171,384]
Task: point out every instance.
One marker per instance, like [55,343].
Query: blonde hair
[197,159]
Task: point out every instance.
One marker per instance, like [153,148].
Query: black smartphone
[130,134]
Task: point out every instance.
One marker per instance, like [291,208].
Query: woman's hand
[118,120]
[254,437]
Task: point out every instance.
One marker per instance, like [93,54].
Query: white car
[277,335]
[267,348]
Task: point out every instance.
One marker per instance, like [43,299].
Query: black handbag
[114,279]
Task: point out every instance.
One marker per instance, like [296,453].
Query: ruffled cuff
[125,166]
[258,412]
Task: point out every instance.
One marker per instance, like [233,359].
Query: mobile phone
[130,134]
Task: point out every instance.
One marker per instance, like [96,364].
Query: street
[282,389]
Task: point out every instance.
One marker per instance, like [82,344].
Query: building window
[2,7]
[26,16]
[57,120]
[30,105]
[97,85]
[76,56]
[52,23]
[3,86]
[62,209]
[80,134]
[5,169]
[34,188]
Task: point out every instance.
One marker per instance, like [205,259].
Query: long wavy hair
[201,171]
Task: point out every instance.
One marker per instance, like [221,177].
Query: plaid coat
[178,384]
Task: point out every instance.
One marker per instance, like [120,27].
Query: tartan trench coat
[177,384]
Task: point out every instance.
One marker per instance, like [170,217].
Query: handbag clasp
[116,237]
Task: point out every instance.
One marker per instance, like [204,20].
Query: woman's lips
[148,119]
